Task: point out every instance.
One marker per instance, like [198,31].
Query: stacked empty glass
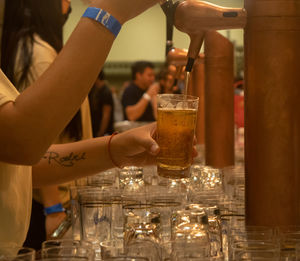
[133,214]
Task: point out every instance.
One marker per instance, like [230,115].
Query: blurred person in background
[102,107]
[32,44]
[118,109]
[138,99]
[167,82]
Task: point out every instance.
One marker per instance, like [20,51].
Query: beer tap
[272,139]
[169,9]
[195,17]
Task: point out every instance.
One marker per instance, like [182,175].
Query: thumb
[150,146]
[154,149]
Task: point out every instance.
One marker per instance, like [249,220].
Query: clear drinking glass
[65,242]
[115,250]
[229,221]
[176,123]
[17,253]
[234,182]
[251,233]
[260,234]
[112,248]
[103,179]
[189,232]
[164,200]
[206,178]
[143,247]
[288,245]
[131,178]
[255,250]
[189,249]
[75,209]
[142,231]
[214,227]
[64,259]
[141,223]
[96,215]
[71,252]
[298,251]
[191,258]
[126,259]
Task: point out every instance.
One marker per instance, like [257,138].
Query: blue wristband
[54,209]
[104,18]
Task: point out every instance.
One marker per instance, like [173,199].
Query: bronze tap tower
[272,112]
[272,95]
[219,101]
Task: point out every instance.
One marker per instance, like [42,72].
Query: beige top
[15,187]
[42,56]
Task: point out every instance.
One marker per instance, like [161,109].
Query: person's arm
[50,197]
[106,112]
[133,112]
[31,123]
[65,162]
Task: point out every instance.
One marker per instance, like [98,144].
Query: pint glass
[176,123]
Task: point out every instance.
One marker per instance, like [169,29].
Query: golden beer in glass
[176,123]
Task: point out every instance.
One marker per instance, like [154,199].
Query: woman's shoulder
[41,48]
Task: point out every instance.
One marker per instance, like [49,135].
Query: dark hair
[139,67]
[94,103]
[163,73]
[101,75]
[22,20]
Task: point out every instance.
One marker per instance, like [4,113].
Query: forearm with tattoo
[64,160]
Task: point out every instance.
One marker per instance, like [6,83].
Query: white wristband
[147,96]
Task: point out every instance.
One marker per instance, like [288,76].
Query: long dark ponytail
[23,19]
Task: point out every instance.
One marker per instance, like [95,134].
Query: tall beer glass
[176,123]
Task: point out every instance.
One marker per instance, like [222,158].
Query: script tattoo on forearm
[65,161]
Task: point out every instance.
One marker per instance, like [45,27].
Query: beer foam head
[176,106]
[181,106]
[169,106]
[177,102]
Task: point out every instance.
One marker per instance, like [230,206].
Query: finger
[149,144]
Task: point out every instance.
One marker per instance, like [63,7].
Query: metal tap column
[272,112]
[219,101]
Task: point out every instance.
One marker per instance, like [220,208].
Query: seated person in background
[102,107]
[139,97]
[167,82]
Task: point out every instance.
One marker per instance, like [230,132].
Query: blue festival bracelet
[104,18]
[54,209]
